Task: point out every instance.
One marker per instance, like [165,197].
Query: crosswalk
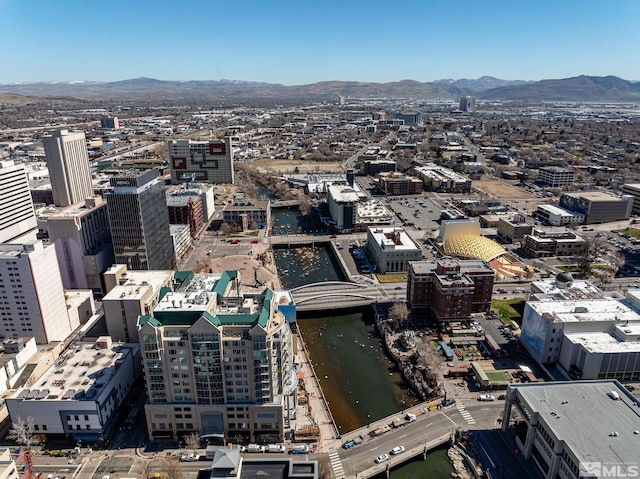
[465,414]
[336,465]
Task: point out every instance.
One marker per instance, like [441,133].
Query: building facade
[373,167]
[554,427]
[83,392]
[598,206]
[450,289]
[633,190]
[441,179]
[248,214]
[343,207]
[68,163]
[139,221]
[391,249]
[555,176]
[541,243]
[513,230]
[82,238]
[205,161]
[17,215]
[392,184]
[556,216]
[219,362]
[467,104]
[32,294]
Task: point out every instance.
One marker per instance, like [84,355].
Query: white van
[255,448]
[486,397]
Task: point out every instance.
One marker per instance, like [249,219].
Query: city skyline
[293,43]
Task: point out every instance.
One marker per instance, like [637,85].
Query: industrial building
[218,361]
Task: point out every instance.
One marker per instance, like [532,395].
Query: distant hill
[582,88]
[482,83]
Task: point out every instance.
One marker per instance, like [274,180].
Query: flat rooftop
[603,342]
[556,210]
[394,239]
[569,408]
[594,195]
[137,283]
[584,310]
[79,374]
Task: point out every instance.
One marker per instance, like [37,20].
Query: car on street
[332,236]
[486,397]
[255,241]
[502,397]
[190,457]
[235,241]
[381,458]
[397,450]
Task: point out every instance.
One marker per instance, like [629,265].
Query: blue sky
[305,41]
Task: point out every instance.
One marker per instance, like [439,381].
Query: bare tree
[146,471]
[399,314]
[22,432]
[172,470]
[192,441]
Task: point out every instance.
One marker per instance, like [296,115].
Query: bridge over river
[342,294]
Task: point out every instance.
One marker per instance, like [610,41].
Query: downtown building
[219,362]
[139,221]
[17,215]
[450,289]
[68,164]
[202,161]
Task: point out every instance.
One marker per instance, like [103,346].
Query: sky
[306,41]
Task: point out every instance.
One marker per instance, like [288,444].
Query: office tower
[68,163]
[219,362]
[82,238]
[31,294]
[110,122]
[468,103]
[16,207]
[139,221]
[206,161]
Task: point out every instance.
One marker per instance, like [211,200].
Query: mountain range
[580,89]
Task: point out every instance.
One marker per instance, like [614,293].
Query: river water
[359,380]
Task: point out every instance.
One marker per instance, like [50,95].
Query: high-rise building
[139,221]
[17,215]
[82,238]
[110,122]
[468,103]
[31,294]
[219,362]
[68,163]
[205,161]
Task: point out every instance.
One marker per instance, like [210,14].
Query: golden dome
[473,246]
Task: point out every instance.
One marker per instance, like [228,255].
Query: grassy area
[635,232]
[497,376]
[509,309]
[569,269]
[392,278]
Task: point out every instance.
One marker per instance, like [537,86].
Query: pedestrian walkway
[450,420]
[465,414]
[336,465]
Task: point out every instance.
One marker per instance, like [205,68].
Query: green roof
[149,319]
[265,314]
[182,276]
[163,292]
[223,282]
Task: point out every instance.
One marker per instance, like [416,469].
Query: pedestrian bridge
[340,295]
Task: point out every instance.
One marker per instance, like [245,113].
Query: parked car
[381,458]
[299,449]
[255,241]
[397,450]
[502,397]
[255,448]
[235,241]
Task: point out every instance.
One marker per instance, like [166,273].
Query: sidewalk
[319,407]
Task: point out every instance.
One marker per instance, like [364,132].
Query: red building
[450,289]
[186,210]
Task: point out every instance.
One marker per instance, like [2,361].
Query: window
[44,427]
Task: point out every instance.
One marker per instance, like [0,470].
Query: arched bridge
[340,295]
